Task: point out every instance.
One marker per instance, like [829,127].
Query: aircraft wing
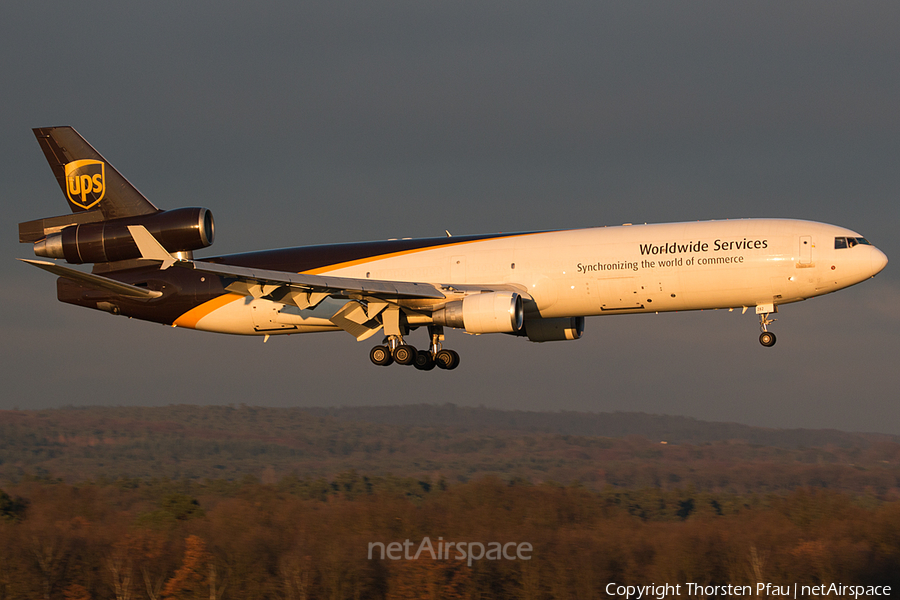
[301,289]
[339,286]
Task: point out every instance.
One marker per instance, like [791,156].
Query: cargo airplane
[539,285]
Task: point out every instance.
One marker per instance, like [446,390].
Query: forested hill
[430,443]
[672,429]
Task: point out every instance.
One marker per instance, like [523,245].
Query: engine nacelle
[489,312]
[179,230]
[553,330]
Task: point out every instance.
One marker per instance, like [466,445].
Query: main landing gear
[395,350]
[766,338]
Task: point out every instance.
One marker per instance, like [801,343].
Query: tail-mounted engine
[489,312]
[179,230]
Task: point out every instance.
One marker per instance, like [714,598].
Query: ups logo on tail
[85,182]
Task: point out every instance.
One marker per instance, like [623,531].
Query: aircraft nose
[879,261]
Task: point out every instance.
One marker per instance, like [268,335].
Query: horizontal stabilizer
[35,231]
[95,281]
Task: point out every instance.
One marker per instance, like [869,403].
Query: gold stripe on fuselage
[193,316]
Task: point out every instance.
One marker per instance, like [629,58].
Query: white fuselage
[605,270]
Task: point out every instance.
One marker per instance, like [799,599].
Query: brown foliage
[192,579]
[261,543]
[637,512]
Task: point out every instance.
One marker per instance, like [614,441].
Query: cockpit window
[849,242]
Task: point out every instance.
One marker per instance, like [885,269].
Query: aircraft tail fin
[88,181]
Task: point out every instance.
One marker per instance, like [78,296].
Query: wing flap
[352,319]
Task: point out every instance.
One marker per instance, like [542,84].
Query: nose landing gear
[766,338]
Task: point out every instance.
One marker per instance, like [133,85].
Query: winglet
[150,248]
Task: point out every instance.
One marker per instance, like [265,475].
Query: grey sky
[315,122]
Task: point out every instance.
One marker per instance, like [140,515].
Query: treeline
[226,442]
[674,429]
[310,538]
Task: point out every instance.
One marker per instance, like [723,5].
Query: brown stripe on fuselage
[360,261]
[192,295]
[328,257]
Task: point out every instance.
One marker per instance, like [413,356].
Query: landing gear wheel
[424,361]
[381,356]
[447,359]
[404,354]
[767,339]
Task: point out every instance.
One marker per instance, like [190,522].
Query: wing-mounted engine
[179,231]
[553,330]
[488,312]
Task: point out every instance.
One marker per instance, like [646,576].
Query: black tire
[424,361]
[447,359]
[381,356]
[443,358]
[767,339]
[404,354]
